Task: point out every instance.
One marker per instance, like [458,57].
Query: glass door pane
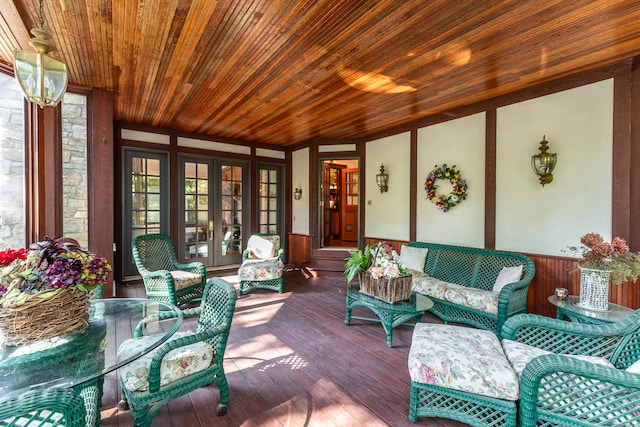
[146,200]
[231,211]
[269,201]
[197,215]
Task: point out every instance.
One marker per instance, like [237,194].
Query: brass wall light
[297,193]
[543,163]
[43,80]
[382,179]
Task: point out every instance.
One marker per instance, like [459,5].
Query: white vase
[594,289]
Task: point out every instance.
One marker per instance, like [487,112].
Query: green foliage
[357,262]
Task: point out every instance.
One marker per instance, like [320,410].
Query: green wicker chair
[43,407]
[262,264]
[561,390]
[212,331]
[166,279]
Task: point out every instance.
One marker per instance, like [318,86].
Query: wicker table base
[389,315]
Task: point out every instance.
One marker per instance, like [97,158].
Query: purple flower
[63,273]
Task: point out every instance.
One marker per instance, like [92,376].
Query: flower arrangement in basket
[44,291]
[597,254]
[381,273]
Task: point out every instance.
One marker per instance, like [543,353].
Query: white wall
[300,179]
[546,219]
[459,142]
[387,214]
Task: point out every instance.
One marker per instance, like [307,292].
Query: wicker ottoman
[463,374]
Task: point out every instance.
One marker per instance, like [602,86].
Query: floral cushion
[184,279]
[519,354]
[177,364]
[427,285]
[460,358]
[478,299]
[259,269]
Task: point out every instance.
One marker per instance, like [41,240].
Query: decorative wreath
[458,193]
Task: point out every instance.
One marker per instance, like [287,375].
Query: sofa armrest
[563,389]
[512,300]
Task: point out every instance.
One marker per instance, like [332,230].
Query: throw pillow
[413,258]
[507,275]
[259,247]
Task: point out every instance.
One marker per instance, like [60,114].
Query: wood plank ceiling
[284,72]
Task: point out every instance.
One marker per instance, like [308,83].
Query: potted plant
[602,263]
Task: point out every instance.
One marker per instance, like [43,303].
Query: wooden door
[324,205]
[350,194]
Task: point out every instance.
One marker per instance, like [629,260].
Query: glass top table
[567,308]
[88,354]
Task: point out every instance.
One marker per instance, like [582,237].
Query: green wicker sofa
[476,270]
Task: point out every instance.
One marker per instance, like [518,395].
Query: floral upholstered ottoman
[463,374]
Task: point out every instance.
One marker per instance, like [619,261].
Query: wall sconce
[543,163]
[382,179]
[297,193]
[42,79]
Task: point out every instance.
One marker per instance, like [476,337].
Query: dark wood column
[101,179]
[43,154]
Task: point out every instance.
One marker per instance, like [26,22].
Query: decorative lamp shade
[43,80]
[543,163]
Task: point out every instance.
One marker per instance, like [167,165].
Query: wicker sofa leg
[429,400]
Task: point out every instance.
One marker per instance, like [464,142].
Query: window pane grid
[268,201]
[145,196]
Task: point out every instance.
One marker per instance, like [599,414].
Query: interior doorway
[339,203]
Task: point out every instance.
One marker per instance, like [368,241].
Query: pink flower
[591,240]
[619,245]
[428,376]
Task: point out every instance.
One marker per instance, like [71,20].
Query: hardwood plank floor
[291,361]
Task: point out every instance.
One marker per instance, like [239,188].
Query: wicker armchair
[262,263]
[165,279]
[563,390]
[43,407]
[188,361]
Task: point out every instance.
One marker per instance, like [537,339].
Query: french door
[211,208]
[213,216]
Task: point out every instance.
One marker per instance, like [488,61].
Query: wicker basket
[391,290]
[42,318]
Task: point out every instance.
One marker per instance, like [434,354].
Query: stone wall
[12,219]
[74,168]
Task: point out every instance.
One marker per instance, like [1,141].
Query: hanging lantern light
[43,80]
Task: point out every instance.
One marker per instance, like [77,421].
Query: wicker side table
[389,315]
